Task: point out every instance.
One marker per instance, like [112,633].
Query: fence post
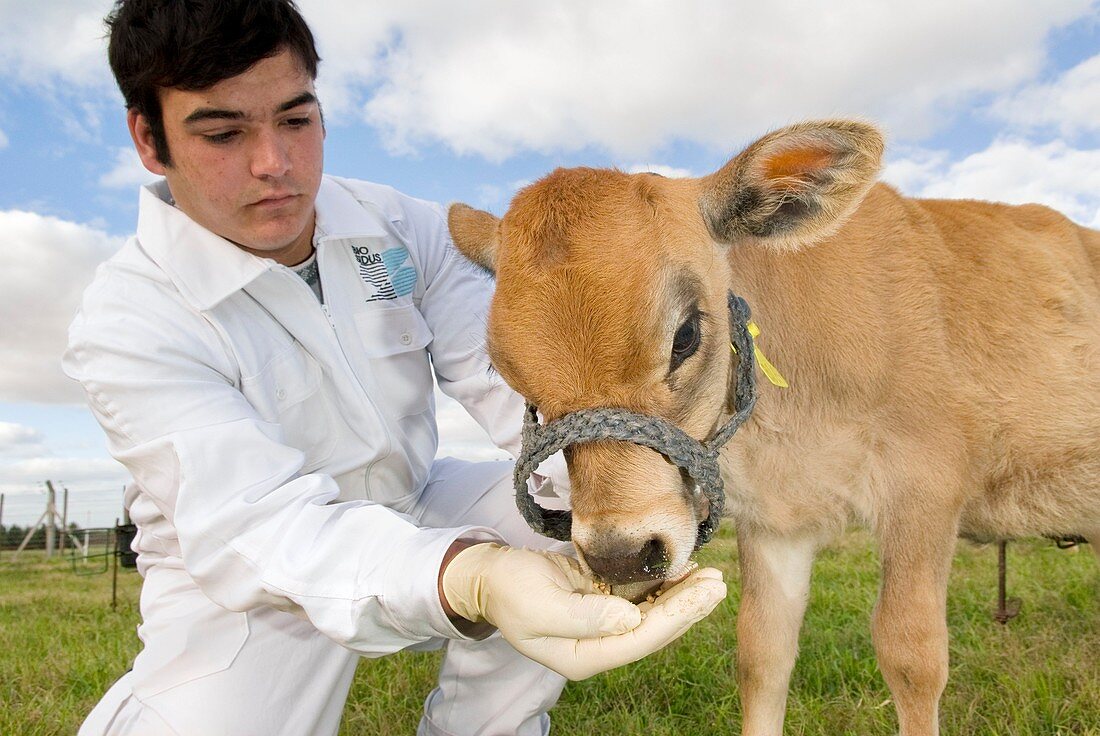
[64,520]
[114,568]
[51,518]
[30,533]
[1007,608]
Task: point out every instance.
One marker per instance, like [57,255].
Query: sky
[470,101]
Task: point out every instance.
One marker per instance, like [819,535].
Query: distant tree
[12,536]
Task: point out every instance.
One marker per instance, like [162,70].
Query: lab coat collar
[207,268]
[340,214]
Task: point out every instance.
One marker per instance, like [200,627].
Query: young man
[260,356]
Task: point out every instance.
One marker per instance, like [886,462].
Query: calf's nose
[622,561]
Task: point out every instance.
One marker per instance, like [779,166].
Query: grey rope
[699,460]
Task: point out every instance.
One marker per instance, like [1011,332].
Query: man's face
[246,156]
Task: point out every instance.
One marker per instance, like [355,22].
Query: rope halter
[698,459]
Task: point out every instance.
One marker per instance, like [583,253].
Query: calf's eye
[685,342]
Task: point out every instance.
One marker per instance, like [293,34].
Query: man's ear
[795,186]
[475,233]
[142,135]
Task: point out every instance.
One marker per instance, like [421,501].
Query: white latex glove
[548,610]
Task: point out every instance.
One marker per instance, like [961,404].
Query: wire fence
[29,518]
[90,550]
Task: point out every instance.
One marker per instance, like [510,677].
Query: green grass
[61,646]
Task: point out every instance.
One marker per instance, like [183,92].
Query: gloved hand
[549,611]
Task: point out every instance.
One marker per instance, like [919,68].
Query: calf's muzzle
[698,459]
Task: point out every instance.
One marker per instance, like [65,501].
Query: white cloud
[74,471]
[489,196]
[494,78]
[1070,104]
[50,262]
[914,168]
[17,440]
[496,197]
[3,140]
[351,37]
[127,172]
[42,44]
[670,171]
[1013,171]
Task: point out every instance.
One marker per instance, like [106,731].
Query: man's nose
[270,158]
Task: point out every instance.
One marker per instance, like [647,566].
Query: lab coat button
[280,394]
[406,338]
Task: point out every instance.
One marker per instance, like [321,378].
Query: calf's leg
[909,625]
[775,580]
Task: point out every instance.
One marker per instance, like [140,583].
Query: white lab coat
[244,409]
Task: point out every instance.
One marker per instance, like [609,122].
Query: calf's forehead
[574,337]
[593,271]
[595,218]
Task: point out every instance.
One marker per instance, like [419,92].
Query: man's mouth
[275,200]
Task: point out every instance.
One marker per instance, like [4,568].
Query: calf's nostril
[654,558]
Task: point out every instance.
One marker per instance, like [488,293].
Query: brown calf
[943,360]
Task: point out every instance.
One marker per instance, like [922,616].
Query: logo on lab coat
[388,274]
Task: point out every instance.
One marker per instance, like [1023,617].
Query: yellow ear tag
[766,366]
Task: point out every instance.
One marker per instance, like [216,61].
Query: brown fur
[943,356]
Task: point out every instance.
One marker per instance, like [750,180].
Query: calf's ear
[794,186]
[475,233]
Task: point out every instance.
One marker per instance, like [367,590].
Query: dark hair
[194,44]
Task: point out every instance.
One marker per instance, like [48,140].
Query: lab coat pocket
[395,341]
[289,392]
[187,637]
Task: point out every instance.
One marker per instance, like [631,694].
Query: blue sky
[469,101]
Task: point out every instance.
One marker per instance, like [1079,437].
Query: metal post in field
[1007,608]
[51,517]
[114,570]
[64,520]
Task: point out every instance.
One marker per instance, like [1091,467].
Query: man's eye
[222,137]
[299,122]
[686,341]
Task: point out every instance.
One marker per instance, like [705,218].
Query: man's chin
[287,245]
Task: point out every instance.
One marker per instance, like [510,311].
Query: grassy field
[61,645]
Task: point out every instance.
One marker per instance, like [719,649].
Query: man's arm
[252,528]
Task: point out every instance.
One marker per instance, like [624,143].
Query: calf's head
[611,291]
